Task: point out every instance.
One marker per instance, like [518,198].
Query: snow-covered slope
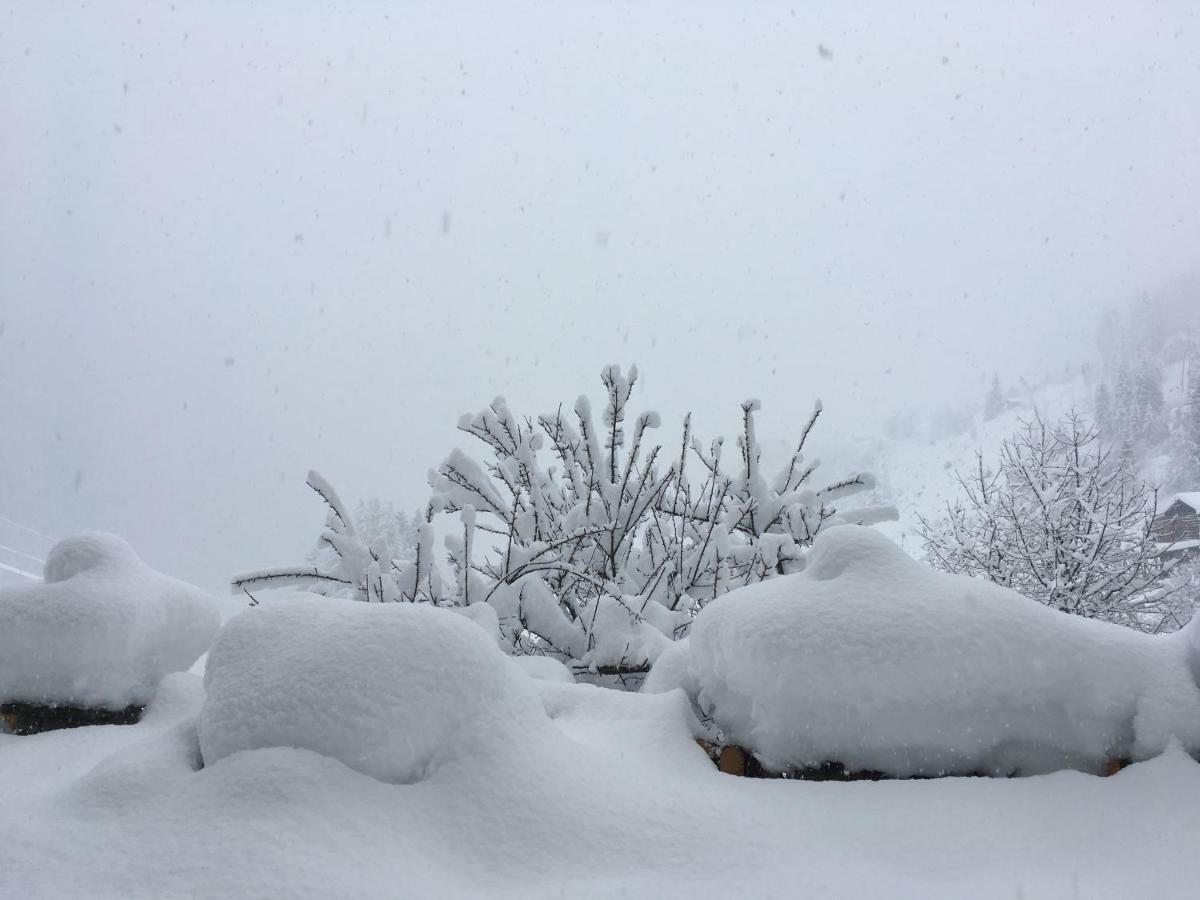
[915,464]
[916,471]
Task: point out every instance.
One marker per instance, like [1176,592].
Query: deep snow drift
[103,629]
[875,661]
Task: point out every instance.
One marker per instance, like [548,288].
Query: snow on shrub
[598,549]
[393,691]
[590,544]
[103,629]
[599,546]
[875,661]
[354,566]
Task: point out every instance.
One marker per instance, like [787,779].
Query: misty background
[232,249]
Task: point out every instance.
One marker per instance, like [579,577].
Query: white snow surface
[102,630]
[274,783]
[611,797]
[876,661]
[393,690]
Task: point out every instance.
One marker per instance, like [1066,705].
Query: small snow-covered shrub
[102,631]
[378,524]
[392,690]
[875,661]
[351,564]
[1062,522]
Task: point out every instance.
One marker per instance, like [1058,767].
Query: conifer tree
[994,404]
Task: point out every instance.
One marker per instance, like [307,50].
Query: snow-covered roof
[1191,498]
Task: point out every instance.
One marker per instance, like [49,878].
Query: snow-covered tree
[1184,472]
[1180,585]
[1060,521]
[1148,406]
[1102,409]
[994,404]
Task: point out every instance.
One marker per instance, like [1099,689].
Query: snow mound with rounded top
[873,660]
[392,690]
[102,630]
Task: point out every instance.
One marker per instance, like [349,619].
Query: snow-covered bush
[394,691]
[1061,521]
[380,525]
[102,631]
[875,661]
[597,546]
[354,565]
[593,546]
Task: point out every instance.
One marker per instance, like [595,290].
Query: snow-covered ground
[324,747]
[353,750]
[611,798]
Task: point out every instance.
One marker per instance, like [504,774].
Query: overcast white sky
[238,243]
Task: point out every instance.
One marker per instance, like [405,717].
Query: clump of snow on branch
[1062,521]
[875,661]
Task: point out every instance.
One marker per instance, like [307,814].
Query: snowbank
[873,660]
[392,690]
[103,629]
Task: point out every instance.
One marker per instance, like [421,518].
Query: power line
[27,528]
[4,567]
[36,559]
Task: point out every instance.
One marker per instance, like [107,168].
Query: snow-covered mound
[876,661]
[392,690]
[102,630]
